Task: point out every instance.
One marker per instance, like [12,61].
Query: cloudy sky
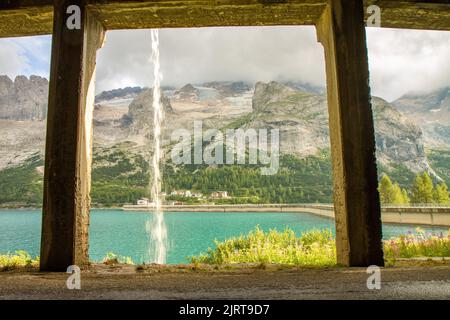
[400,61]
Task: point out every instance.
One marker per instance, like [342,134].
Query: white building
[144,202]
[219,195]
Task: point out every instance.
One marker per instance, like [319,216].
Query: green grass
[418,244]
[313,248]
[112,258]
[19,259]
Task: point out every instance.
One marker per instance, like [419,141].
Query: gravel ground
[244,282]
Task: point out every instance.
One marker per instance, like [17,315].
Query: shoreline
[426,216]
[401,215]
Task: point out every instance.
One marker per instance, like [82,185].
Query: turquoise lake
[189,233]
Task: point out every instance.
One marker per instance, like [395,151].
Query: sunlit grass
[19,259]
[418,244]
[312,248]
[112,258]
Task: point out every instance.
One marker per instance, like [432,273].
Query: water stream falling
[156,227]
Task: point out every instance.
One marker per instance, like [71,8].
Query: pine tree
[428,188]
[440,194]
[422,190]
[385,189]
[405,196]
[397,195]
[417,190]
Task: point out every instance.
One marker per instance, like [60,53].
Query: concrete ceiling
[35,17]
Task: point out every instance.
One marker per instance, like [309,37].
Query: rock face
[140,111]
[229,88]
[431,111]
[187,93]
[302,86]
[298,112]
[213,93]
[122,93]
[398,139]
[302,118]
[23,98]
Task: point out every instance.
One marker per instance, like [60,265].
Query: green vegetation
[391,193]
[297,181]
[440,162]
[397,172]
[120,177]
[19,259]
[313,248]
[22,185]
[112,258]
[418,245]
[423,191]
[440,194]
[117,178]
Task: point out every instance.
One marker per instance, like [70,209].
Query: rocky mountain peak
[6,85]
[432,112]
[187,93]
[302,118]
[121,93]
[229,88]
[141,110]
[266,93]
[188,88]
[23,98]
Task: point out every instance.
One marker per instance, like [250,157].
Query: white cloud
[404,61]
[13,60]
[400,60]
[25,56]
[207,54]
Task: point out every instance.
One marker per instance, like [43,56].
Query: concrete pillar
[66,204]
[341,31]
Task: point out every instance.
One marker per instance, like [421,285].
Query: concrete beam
[341,30]
[413,14]
[35,17]
[68,152]
[27,20]
[206,13]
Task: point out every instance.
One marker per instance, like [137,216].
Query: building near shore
[144,202]
[219,195]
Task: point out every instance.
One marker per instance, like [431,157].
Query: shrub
[418,244]
[19,259]
[112,258]
[313,248]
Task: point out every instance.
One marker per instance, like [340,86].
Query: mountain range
[411,133]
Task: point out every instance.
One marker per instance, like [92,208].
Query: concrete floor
[273,282]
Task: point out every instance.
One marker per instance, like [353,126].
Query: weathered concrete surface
[430,282]
[65,218]
[356,201]
[413,14]
[35,17]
